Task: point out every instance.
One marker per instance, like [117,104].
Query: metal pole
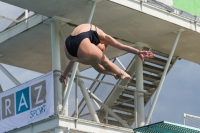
[68,88]
[106,117]
[9,75]
[76,96]
[76,102]
[139,96]
[163,76]
[62,34]
[120,63]
[56,65]
[63,37]
[92,11]
[97,104]
[15,21]
[26,15]
[108,110]
[1,90]
[87,99]
[55,43]
[135,109]
[184,116]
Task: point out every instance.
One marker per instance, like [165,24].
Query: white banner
[28,103]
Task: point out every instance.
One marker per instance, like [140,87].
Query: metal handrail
[116,85]
[19,22]
[174,10]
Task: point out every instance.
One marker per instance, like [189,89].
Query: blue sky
[180,92]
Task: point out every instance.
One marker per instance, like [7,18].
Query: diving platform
[98,104]
[166,127]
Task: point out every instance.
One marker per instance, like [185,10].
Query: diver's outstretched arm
[68,68]
[109,40]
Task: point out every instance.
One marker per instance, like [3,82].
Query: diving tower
[100,104]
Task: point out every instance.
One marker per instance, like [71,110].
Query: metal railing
[21,21]
[191,120]
[174,10]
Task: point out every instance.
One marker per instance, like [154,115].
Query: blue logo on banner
[22,101]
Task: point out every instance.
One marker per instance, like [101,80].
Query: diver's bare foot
[124,75]
[116,76]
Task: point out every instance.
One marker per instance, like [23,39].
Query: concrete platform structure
[131,21]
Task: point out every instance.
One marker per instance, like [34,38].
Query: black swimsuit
[72,42]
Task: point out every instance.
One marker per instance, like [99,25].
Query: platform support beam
[9,75]
[56,65]
[139,97]
[163,76]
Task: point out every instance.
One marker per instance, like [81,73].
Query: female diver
[86,45]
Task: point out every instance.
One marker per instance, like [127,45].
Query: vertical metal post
[163,76]
[195,23]
[9,75]
[68,88]
[92,11]
[76,96]
[106,117]
[87,99]
[55,44]
[184,116]
[26,15]
[56,65]
[139,96]
[1,90]
[135,109]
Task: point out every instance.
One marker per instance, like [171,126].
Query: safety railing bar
[120,86]
[121,102]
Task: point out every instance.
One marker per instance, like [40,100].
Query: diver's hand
[145,54]
[63,80]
